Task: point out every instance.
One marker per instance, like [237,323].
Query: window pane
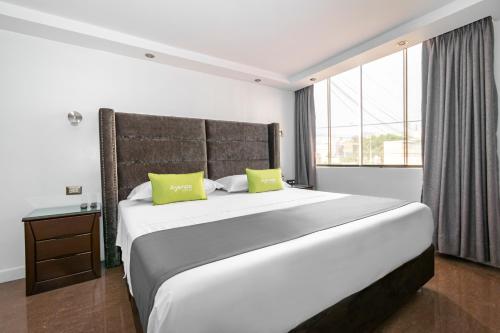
[321,108]
[414,59]
[345,117]
[383,111]
[414,142]
[383,144]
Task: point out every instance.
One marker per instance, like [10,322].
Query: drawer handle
[65,237]
[65,256]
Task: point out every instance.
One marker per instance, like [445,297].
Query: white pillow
[145,191]
[237,183]
[141,192]
[211,186]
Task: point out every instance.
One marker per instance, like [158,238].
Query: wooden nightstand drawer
[62,227]
[54,248]
[54,268]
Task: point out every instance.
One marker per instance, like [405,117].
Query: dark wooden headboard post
[134,144]
[274,145]
[109,185]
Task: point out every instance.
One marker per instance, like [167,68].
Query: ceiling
[276,38]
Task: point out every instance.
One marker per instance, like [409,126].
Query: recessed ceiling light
[402,43]
[257,80]
[149,55]
[312,79]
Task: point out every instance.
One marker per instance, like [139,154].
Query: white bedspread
[275,288]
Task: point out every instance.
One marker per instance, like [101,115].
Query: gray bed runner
[158,256]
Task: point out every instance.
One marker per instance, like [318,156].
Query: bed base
[368,308]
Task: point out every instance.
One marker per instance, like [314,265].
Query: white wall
[388,182]
[41,81]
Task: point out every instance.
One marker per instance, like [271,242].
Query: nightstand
[62,247]
[303,187]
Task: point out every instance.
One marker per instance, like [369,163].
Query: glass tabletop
[51,212]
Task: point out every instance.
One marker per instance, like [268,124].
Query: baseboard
[11,274]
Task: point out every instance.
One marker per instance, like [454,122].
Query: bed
[347,278]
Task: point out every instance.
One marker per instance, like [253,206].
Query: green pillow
[168,188]
[264,180]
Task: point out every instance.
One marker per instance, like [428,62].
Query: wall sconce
[75,118]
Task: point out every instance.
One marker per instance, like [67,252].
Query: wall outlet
[73,190]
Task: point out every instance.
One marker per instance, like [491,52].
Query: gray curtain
[305,137]
[459,133]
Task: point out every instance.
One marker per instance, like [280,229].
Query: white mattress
[275,288]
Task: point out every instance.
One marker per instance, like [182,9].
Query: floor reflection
[94,306]
[462,297]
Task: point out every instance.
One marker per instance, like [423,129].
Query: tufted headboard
[132,145]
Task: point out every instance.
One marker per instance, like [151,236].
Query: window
[370,115]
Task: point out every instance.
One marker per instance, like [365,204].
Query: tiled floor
[462,297]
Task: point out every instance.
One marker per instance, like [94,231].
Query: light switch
[73,190]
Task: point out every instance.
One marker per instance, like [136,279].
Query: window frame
[405,124]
